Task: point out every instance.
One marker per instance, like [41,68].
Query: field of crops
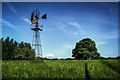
[83,69]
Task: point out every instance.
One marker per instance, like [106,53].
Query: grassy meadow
[83,69]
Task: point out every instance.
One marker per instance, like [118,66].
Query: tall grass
[46,69]
[60,69]
[97,69]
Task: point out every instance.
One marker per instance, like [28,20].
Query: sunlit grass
[46,69]
[59,69]
[98,69]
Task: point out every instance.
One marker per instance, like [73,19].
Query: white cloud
[62,27]
[65,48]
[82,32]
[59,51]
[65,27]
[15,12]
[77,25]
[12,8]
[50,56]
[100,43]
[10,25]
[75,33]
[27,20]
[113,34]
[68,46]
[49,29]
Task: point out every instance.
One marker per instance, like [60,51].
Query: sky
[66,24]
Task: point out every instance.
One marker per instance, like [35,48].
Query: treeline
[12,50]
[110,57]
[75,59]
[59,59]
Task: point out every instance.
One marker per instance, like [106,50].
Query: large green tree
[85,49]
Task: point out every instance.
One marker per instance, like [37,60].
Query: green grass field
[88,69]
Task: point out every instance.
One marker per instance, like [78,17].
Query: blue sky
[66,24]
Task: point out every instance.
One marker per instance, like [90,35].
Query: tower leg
[36,44]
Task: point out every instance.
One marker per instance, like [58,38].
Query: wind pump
[36,42]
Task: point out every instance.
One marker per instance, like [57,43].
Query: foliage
[85,49]
[13,50]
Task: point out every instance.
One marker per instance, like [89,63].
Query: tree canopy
[13,50]
[85,49]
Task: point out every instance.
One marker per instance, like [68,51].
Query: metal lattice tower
[36,43]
